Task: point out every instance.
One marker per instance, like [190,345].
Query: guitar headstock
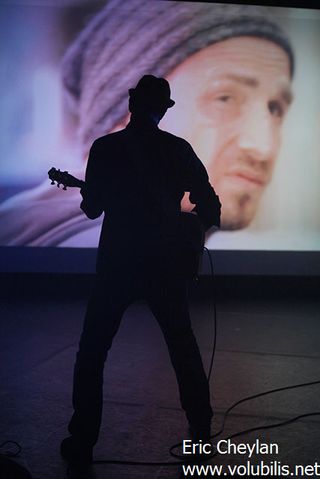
[63,178]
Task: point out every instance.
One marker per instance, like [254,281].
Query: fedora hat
[153,91]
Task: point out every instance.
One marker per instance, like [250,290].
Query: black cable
[246,431]
[254,396]
[270,426]
[10,453]
[271,391]
[214,315]
[8,467]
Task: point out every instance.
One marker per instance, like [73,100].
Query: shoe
[75,452]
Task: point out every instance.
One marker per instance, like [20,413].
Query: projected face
[231,100]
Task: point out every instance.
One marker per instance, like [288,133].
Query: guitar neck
[77,183]
[64,178]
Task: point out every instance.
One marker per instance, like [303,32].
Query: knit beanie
[130,38]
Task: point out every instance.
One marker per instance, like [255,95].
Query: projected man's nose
[258,137]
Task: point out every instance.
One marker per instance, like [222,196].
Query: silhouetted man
[138,176]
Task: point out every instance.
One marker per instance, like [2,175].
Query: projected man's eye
[225,98]
[276,109]
[228,103]
[219,106]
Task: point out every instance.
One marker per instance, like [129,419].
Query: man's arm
[92,204]
[202,194]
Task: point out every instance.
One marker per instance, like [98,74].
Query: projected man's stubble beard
[239,214]
[240,189]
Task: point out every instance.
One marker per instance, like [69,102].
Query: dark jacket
[137,177]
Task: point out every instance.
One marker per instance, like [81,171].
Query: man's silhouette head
[151,96]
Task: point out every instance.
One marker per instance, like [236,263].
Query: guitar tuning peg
[64,187]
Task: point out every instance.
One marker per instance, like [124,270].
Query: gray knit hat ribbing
[129,39]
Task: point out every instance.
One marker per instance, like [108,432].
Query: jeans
[167,299]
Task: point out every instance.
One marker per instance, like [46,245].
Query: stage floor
[262,344]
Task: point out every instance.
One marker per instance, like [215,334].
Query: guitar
[64,178]
[185,242]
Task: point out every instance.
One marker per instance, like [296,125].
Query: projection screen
[245,80]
